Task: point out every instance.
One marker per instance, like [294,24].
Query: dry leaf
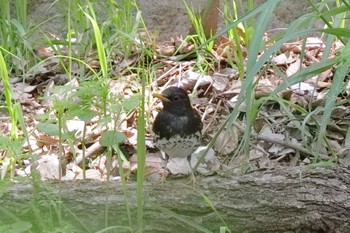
[227,141]
[294,67]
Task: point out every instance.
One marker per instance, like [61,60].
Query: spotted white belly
[178,146]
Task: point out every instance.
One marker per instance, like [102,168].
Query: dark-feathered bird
[177,126]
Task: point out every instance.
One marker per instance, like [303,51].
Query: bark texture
[295,199]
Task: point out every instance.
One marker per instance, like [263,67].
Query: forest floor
[283,132]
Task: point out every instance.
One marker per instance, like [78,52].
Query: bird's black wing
[167,124]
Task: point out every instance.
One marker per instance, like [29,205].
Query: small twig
[90,151]
[213,117]
[206,109]
[276,141]
[281,157]
[167,72]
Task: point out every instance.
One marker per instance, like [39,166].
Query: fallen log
[297,199]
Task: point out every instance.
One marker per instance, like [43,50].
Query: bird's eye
[176,97]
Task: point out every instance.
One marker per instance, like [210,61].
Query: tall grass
[126,27]
[254,65]
[197,24]
[13,144]
[8,95]
[203,49]
[239,35]
[14,35]
[141,155]
[334,15]
[125,19]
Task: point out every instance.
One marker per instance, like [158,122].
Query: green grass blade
[228,27]
[344,32]
[123,180]
[8,95]
[304,74]
[211,205]
[338,79]
[99,43]
[187,221]
[253,52]
[141,155]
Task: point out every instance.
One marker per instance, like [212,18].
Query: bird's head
[174,99]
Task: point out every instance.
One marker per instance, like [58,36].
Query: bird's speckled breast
[179,146]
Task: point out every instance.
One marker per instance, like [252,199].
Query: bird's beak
[161,97]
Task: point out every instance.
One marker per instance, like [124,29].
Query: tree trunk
[295,199]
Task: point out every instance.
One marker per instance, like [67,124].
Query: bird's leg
[165,172]
[193,179]
[163,179]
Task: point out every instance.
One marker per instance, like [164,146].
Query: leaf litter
[281,134]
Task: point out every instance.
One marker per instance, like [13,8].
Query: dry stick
[89,152]
[167,72]
[276,141]
[213,116]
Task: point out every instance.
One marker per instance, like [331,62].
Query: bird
[177,127]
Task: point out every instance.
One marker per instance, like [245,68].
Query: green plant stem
[60,144]
[141,157]
[83,148]
[123,180]
[69,38]
[324,20]
[108,166]
[8,95]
